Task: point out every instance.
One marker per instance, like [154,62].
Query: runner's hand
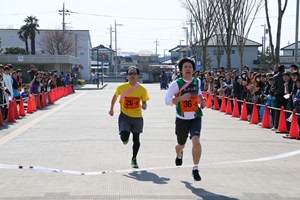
[111,113]
[185,97]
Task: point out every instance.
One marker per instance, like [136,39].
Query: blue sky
[143,21]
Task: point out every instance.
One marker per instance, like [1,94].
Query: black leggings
[136,141]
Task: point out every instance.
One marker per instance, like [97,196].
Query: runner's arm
[173,90]
[113,102]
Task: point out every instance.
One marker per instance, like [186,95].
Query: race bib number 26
[131,102]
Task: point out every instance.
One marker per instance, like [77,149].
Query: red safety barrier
[15,111]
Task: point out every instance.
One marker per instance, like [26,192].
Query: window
[220,52]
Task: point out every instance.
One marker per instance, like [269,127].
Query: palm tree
[32,25]
[23,35]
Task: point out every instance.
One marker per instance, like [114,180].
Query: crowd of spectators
[12,85]
[274,89]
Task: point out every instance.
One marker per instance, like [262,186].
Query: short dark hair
[182,61]
[295,74]
[281,68]
[294,66]
[133,67]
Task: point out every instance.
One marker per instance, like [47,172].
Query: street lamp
[116,47]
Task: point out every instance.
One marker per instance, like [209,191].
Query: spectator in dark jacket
[278,87]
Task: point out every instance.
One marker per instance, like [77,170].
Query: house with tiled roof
[215,49]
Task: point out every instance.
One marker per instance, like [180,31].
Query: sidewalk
[90,86]
[72,150]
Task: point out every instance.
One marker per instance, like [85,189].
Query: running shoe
[196,175]
[134,163]
[125,142]
[178,161]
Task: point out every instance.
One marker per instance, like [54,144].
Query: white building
[80,59]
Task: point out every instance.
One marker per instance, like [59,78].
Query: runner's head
[182,61]
[133,69]
[186,67]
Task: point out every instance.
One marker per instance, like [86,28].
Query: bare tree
[228,14]
[203,14]
[58,42]
[275,56]
[242,27]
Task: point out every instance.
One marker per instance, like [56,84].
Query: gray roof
[213,41]
[291,46]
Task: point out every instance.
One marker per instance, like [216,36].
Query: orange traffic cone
[1,118]
[235,108]
[29,105]
[21,108]
[33,103]
[244,115]
[294,130]
[223,104]
[38,101]
[229,107]
[216,103]
[208,101]
[16,112]
[254,118]
[43,103]
[50,100]
[282,128]
[10,114]
[266,123]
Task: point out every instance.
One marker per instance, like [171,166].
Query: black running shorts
[185,127]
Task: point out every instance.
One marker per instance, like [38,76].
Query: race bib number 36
[131,102]
[190,105]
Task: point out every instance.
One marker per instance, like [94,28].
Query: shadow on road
[147,176]
[205,195]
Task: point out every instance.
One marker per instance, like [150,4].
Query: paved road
[76,136]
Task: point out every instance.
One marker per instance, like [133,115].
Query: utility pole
[116,47]
[64,12]
[110,46]
[187,41]
[156,44]
[191,35]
